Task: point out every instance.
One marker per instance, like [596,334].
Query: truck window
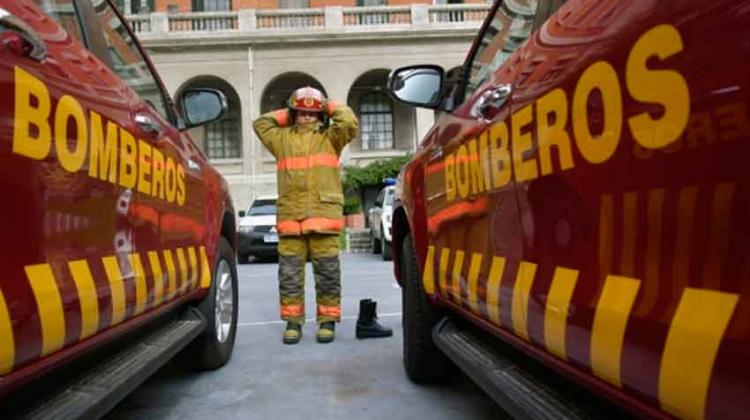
[64,12]
[126,59]
[509,28]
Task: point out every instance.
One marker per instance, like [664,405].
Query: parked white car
[380,222]
[257,230]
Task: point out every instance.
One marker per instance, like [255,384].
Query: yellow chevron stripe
[458,265]
[521,292]
[610,320]
[49,304]
[690,351]
[171,272]
[87,296]
[158,276]
[141,288]
[206,270]
[444,257]
[116,288]
[556,312]
[493,289]
[183,268]
[7,344]
[193,258]
[473,282]
[428,276]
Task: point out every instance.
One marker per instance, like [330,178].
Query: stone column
[247,20]
[159,23]
[334,16]
[420,15]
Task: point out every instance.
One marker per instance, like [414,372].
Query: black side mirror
[420,85]
[242,214]
[201,106]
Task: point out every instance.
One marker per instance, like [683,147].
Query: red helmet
[307,99]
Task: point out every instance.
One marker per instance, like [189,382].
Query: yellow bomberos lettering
[664,87]
[598,148]
[523,169]
[594,117]
[144,167]
[68,108]
[180,185]
[463,178]
[499,155]
[114,154]
[128,150]
[28,90]
[553,106]
[103,155]
[476,168]
[157,183]
[170,180]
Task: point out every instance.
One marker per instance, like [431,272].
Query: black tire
[375,244]
[207,352]
[423,361]
[386,248]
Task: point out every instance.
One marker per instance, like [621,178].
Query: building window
[135,7]
[222,138]
[212,5]
[376,121]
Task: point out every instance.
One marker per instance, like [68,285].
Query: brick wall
[184,5]
[407,2]
[255,4]
[324,3]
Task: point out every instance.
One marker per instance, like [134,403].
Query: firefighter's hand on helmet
[282,117]
[331,105]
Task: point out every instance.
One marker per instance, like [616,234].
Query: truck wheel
[385,246]
[423,361]
[213,348]
[375,243]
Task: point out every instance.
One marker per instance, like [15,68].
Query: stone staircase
[358,241]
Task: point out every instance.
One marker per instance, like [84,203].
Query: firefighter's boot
[367,322]
[292,333]
[326,332]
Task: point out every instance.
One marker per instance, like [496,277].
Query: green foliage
[355,178]
[352,204]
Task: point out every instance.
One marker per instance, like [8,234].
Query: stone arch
[220,139]
[277,91]
[384,123]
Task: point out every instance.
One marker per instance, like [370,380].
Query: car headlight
[246,229]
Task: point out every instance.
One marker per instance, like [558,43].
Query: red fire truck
[583,200]
[117,234]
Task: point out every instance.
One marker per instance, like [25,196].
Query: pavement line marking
[260,323]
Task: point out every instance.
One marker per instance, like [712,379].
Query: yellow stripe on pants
[610,320]
[87,296]
[690,351]
[49,306]
[7,344]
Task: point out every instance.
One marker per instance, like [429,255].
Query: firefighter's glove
[282,117]
[330,106]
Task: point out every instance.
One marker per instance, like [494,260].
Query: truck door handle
[147,125]
[20,38]
[494,97]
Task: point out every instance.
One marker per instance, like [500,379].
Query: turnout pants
[323,250]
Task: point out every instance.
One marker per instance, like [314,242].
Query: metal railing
[324,18]
[203,21]
[290,19]
[458,13]
[360,16]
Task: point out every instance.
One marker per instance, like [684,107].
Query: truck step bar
[99,388]
[521,394]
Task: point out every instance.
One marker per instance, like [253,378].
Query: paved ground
[347,379]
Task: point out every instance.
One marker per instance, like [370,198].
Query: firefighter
[307,138]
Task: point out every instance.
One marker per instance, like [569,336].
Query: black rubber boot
[367,322]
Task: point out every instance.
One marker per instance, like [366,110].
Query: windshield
[262,208]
